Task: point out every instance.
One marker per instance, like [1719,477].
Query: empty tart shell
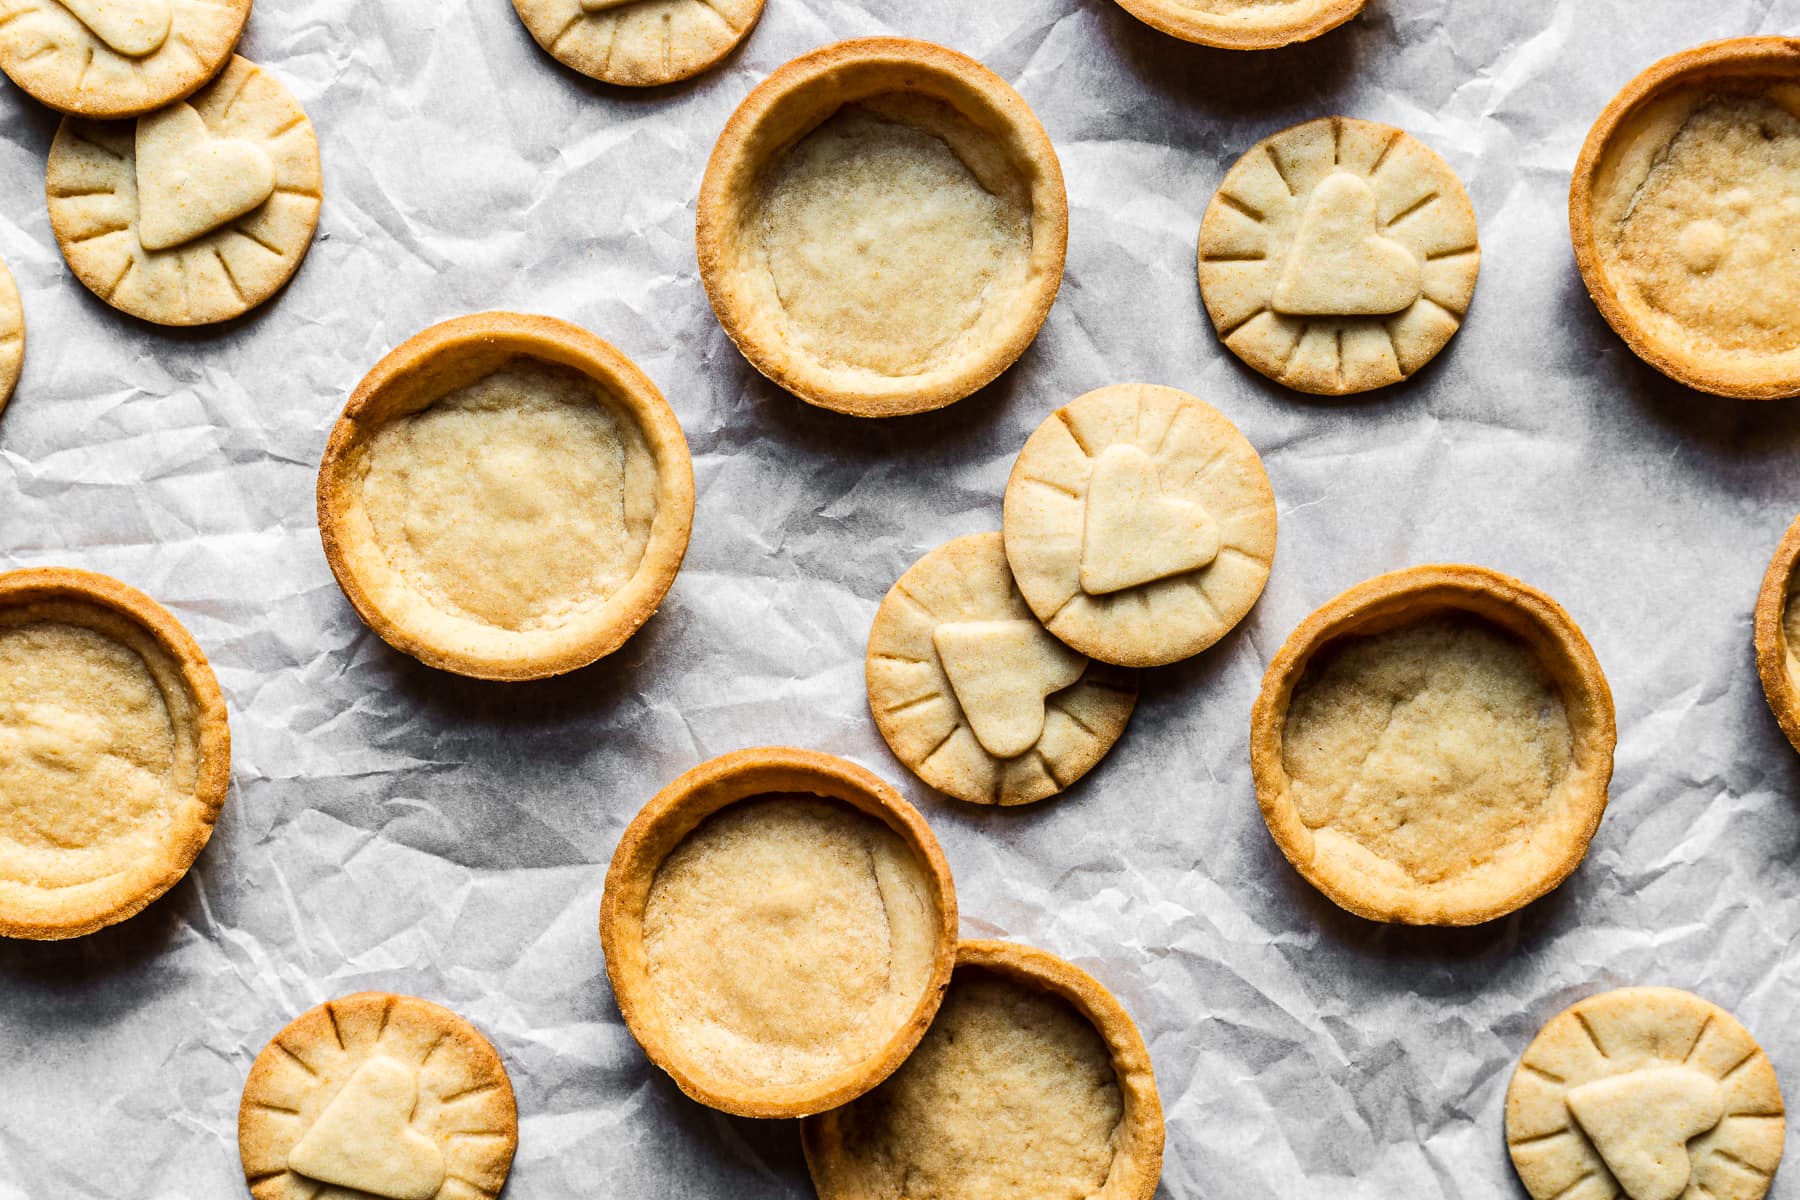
[1692,295]
[861,311]
[1777,619]
[409,611]
[834,1141]
[126,752]
[759,870]
[1243,24]
[1455,677]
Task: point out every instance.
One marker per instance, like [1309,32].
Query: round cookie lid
[1626,149]
[382,1095]
[1243,24]
[106,59]
[662,827]
[12,336]
[113,640]
[1361,880]
[1137,1141]
[441,361]
[1338,256]
[964,120]
[633,44]
[1652,1090]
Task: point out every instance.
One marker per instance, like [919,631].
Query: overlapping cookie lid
[561,542]
[634,44]
[106,59]
[779,927]
[1776,627]
[1433,746]
[1675,207]
[115,753]
[1032,1081]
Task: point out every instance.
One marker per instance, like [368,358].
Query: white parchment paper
[392,827]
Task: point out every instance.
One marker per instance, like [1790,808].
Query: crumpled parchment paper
[393,827]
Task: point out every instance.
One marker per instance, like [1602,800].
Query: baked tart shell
[1138,1145]
[125,614]
[1771,635]
[1753,58]
[432,364]
[665,822]
[790,104]
[1207,29]
[1395,600]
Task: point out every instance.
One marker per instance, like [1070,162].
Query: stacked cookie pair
[1138,529]
[184,183]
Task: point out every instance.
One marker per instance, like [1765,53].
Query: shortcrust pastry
[1777,634]
[1433,747]
[779,927]
[1645,1093]
[12,335]
[377,1095]
[974,695]
[114,752]
[506,496]
[882,226]
[639,43]
[194,213]
[106,59]
[1140,524]
[1338,256]
[1244,24]
[1032,1082]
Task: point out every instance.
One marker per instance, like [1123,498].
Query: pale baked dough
[1434,746]
[506,496]
[106,59]
[377,1095]
[1140,524]
[882,226]
[1777,634]
[972,693]
[736,919]
[779,927]
[1645,1094]
[195,213]
[12,336]
[1244,24]
[1032,1084]
[1684,208]
[114,752]
[1338,256]
[639,43]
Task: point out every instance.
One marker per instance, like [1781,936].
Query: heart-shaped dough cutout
[1640,1122]
[190,182]
[1002,672]
[1134,534]
[1340,265]
[364,1140]
[134,28]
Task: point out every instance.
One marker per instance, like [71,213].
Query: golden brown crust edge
[558,341]
[1137,1158]
[212,738]
[1775,55]
[1514,605]
[669,817]
[730,175]
[321,1019]
[1771,638]
[1205,30]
